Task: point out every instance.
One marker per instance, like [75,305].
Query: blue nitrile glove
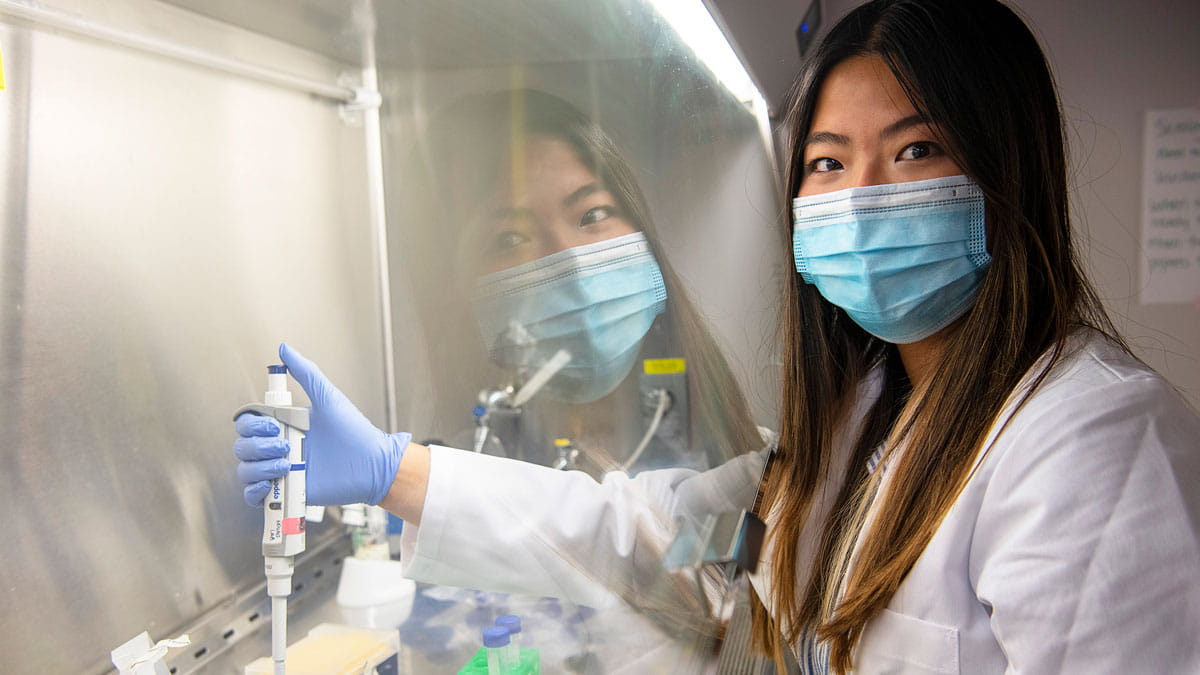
[349,461]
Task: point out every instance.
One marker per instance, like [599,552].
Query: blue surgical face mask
[903,260]
[596,301]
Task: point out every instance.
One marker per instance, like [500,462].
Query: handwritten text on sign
[1171,207]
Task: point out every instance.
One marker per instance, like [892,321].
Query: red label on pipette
[293,526]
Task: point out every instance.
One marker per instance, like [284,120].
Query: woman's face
[866,132]
[548,201]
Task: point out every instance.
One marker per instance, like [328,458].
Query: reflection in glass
[528,224]
[535,264]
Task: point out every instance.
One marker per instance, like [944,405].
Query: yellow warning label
[1,72]
[664,366]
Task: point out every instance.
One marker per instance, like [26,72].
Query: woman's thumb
[311,380]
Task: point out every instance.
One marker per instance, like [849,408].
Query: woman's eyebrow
[826,137]
[589,189]
[902,125]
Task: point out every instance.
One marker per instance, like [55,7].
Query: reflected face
[865,131]
[548,202]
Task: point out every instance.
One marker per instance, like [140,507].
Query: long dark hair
[975,71]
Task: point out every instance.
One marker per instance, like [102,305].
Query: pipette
[284,506]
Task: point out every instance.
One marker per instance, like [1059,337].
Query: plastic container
[333,649]
[374,593]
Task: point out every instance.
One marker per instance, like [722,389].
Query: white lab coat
[1074,548]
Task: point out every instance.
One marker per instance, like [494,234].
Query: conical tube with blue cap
[512,624]
[496,642]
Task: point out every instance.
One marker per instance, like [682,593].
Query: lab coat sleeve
[1085,551]
[505,525]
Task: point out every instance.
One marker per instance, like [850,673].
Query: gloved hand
[349,461]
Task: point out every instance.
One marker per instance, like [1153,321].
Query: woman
[973,474]
[1012,490]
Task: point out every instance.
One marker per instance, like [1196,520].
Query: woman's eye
[597,214]
[823,165]
[508,239]
[920,150]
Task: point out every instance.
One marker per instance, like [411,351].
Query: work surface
[440,629]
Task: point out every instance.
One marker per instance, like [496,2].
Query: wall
[1115,60]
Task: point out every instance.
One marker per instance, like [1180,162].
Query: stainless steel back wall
[164,228]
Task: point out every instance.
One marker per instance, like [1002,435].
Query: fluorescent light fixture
[699,31]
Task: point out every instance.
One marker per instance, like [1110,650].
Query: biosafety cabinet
[189,183]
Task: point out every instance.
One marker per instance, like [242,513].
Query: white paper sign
[1171,207]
